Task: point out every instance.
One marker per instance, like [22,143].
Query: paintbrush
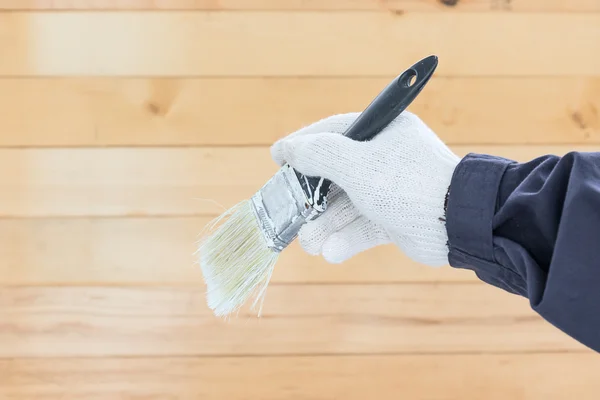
[238,258]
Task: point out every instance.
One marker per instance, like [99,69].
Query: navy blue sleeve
[533,229]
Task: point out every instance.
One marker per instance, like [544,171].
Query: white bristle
[236,261]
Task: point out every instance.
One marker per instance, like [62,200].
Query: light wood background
[122,122]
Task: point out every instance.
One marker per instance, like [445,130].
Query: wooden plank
[297,319]
[159,251]
[309,5]
[257,111]
[155,181]
[457,377]
[306,44]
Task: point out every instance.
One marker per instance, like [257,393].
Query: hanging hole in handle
[409,78]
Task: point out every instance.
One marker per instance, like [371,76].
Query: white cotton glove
[391,189]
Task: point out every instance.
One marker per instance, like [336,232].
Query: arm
[528,228]
[533,229]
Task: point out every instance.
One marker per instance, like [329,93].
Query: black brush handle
[386,107]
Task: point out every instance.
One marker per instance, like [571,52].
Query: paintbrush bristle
[235,261]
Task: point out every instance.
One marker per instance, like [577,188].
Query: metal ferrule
[281,207]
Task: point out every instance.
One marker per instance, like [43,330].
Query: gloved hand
[391,189]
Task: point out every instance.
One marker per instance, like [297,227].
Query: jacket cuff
[472,203]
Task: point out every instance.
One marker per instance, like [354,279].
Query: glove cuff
[427,238]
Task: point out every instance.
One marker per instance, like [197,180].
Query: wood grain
[124,122]
[306,44]
[159,251]
[448,377]
[297,319]
[308,5]
[156,181]
[258,111]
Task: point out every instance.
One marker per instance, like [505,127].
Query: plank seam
[393,12]
[307,355]
[154,286]
[268,145]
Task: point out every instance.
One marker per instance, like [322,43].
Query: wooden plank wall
[125,125]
